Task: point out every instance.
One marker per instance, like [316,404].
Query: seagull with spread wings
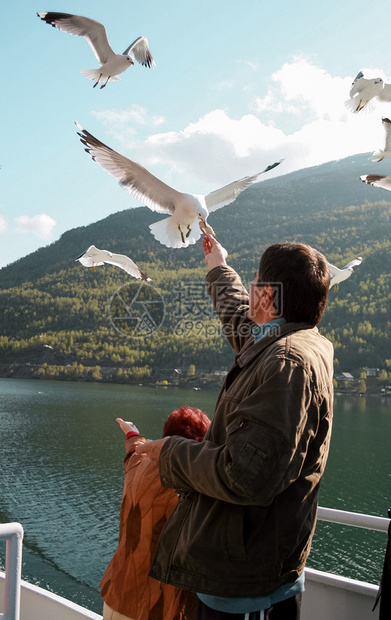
[94,33]
[178,230]
[94,258]
[364,90]
[339,275]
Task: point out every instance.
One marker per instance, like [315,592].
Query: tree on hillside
[47,299]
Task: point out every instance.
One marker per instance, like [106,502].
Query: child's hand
[127,426]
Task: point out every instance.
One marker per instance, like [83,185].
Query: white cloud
[302,118]
[3,224]
[135,114]
[212,151]
[123,124]
[302,86]
[40,225]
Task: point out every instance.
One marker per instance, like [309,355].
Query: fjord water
[61,474]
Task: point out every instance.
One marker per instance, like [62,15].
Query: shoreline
[206,382]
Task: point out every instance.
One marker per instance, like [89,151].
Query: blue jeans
[284,610]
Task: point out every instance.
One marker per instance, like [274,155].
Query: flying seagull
[178,230]
[94,258]
[381,180]
[386,151]
[377,180]
[364,90]
[339,275]
[94,32]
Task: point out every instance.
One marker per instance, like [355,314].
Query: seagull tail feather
[356,104]
[166,231]
[351,105]
[95,74]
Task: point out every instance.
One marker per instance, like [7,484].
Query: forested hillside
[71,322]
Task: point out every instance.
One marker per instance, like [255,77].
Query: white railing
[12,533]
[356,519]
[327,595]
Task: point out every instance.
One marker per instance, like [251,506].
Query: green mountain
[59,317]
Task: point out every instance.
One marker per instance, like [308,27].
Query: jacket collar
[251,350]
[260,331]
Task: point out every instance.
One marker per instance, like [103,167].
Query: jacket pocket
[254,452]
[247,465]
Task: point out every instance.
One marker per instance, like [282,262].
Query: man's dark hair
[303,279]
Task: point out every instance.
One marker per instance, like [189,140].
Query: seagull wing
[353,263]
[381,153]
[377,180]
[335,274]
[223,196]
[385,93]
[126,263]
[387,127]
[334,271]
[93,32]
[142,53]
[358,84]
[93,257]
[227,194]
[133,177]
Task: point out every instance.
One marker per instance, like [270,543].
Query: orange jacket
[146,506]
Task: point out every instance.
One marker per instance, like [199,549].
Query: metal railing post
[12,533]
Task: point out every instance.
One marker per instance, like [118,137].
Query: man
[242,533]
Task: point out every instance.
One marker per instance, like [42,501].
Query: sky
[237,86]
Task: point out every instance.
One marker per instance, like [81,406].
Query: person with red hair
[127,590]
[188,422]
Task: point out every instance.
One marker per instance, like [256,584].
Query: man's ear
[267,298]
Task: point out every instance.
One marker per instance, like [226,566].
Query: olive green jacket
[248,493]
